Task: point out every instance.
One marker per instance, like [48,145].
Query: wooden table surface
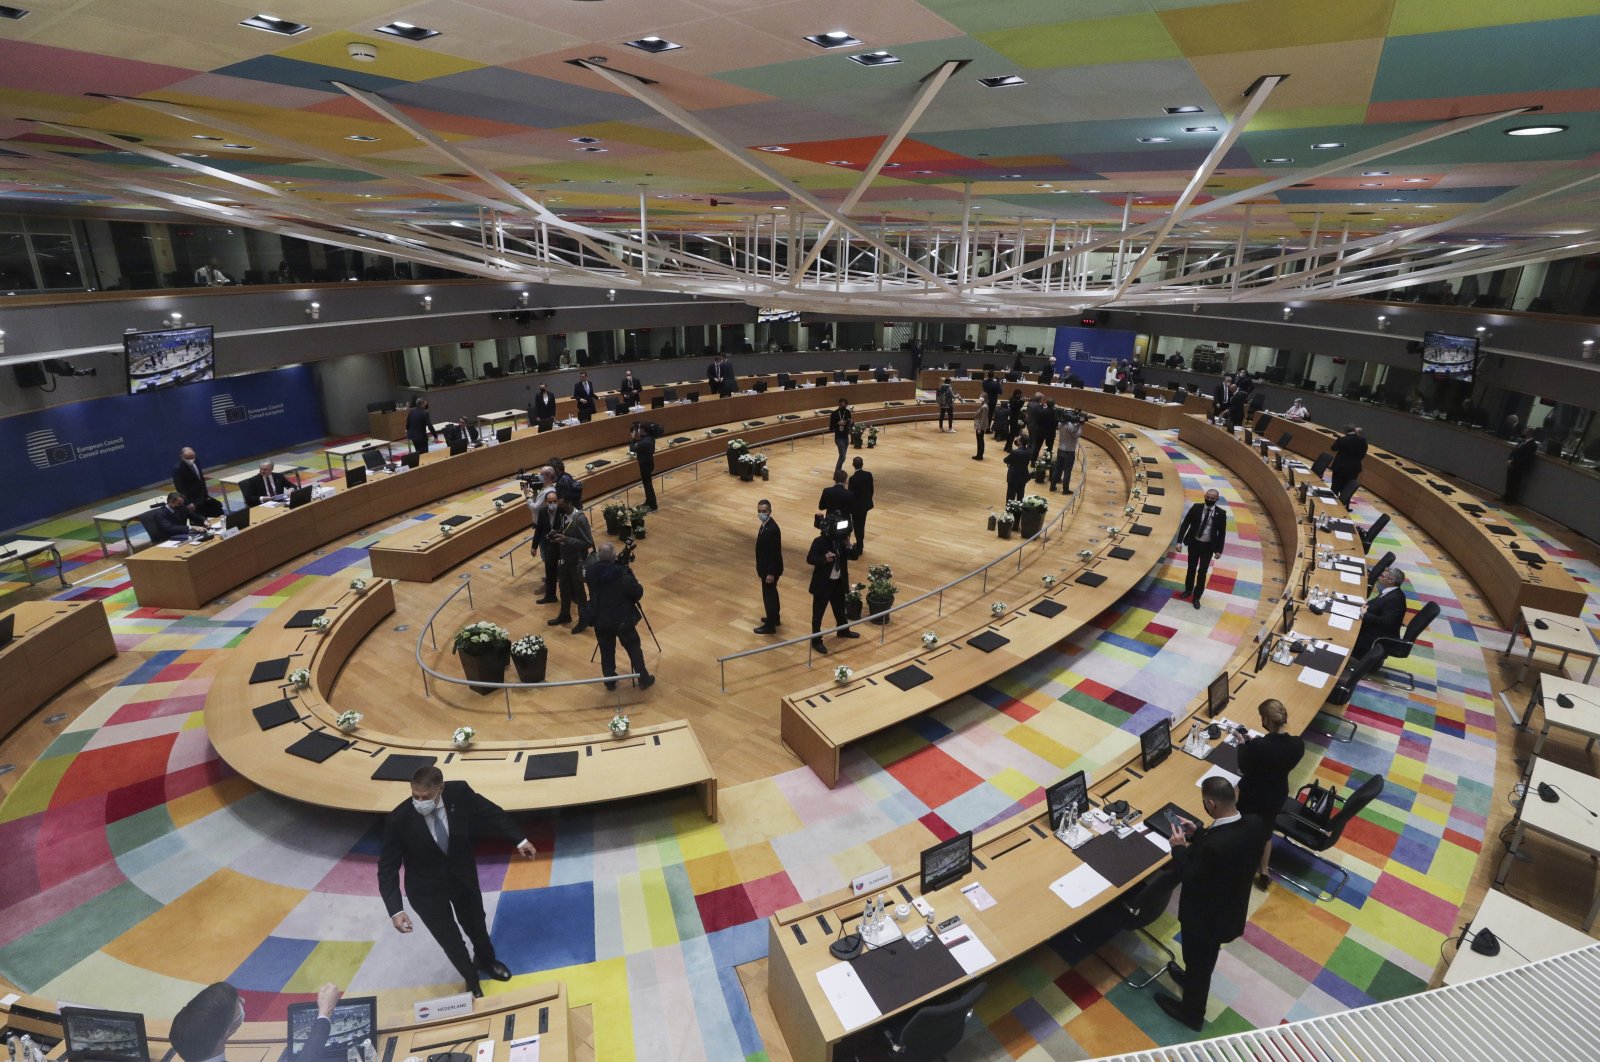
[54,645]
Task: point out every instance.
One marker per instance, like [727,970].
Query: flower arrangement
[321,624]
[1013,506]
[997,609]
[462,736]
[446,530]
[613,508]
[619,725]
[929,639]
[1127,510]
[841,674]
[872,436]
[880,581]
[1041,464]
[1034,503]
[1085,554]
[347,720]
[1138,492]
[1133,448]
[481,637]
[737,446]
[752,458]
[528,645]
[1006,519]
[499,505]
[852,596]
[359,585]
[1047,581]
[300,678]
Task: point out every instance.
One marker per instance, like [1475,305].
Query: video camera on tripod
[835,526]
[629,547]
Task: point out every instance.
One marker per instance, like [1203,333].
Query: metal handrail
[466,584]
[1042,536]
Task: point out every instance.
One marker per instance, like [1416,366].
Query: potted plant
[852,601]
[880,591]
[841,674]
[485,650]
[358,585]
[347,721]
[1030,517]
[736,450]
[462,737]
[300,678]
[872,437]
[529,656]
[322,624]
[1003,524]
[758,462]
[997,609]
[616,515]
[1041,470]
[857,433]
[619,726]
[747,466]
[636,517]
[929,639]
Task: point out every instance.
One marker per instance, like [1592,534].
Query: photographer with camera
[575,540]
[539,492]
[1069,429]
[830,573]
[613,611]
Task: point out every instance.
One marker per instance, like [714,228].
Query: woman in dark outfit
[1264,766]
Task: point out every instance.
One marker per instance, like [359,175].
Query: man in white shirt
[1204,531]
[209,276]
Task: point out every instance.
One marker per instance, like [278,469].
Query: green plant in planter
[872,437]
[482,639]
[736,449]
[635,518]
[857,433]
[880,581]
[616,515]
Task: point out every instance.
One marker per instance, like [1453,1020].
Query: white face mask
[424,807]
[764,516]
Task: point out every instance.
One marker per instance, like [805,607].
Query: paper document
[967,949]
[1336,650]
[1346,577]
[1080,886]
[1314,679]
[850,998]
[1354,569]
[1218,772]
[978,897]
[1339,608]
[1340,622]
[525,1050]
[1344,536]
[1159,841]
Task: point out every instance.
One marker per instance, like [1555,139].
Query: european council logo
[47,451]
[224,410]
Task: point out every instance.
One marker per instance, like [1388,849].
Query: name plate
[444,1007]
[871,880]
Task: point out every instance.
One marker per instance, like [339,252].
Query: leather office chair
[934,1030]
[1347,495]
[1134,912]
[1369,535]
[147,520]
[1378,569]
[1400,648]
[1320,465]
[1312,838]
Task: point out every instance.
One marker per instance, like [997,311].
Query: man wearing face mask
[431,835]
[769,566]
[1204,530]
[542,413]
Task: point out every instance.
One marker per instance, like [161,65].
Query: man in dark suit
[1014,418]
[830,580]
[460,430]
[991,392]
[1204,531]
[1383,615]
[916,361]
[1233,405]
[860,486]
[431,836]
[541,499]
[268,484]
[840,422]
[836,497]
[1518,465]
[1217,866]
[1019,466]
[718,375]
[419,425]
[769,566]
[1349,450]
[643,448]
[543,409]
[201,1029]
[630,389]
[583,395]
[173,519]
[189,481]
[614,595]
[575,539]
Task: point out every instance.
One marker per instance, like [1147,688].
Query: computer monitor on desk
[354,477]
[8,628]
[1217,696]
[1071,791]
[411,460]
[372,457]
[237,519]
[503,435]
[299,496]
[105,1035]
[1155,744]
[458,447]
[946,862]
[354,1019]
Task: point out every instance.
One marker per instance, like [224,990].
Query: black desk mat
[304,617]
[908,677]
[988,641]
[897,973]
[275,714]
[550,765]
[1138,529]
[318,746]
[1148,460]
[1152,510]
[1091,579]
[508,498]
[1122,553]
[399,768]
[270,670]
[1157,820]
[1535,559]
[1120,859]
[1155,475]
[1225,756]
[1323,660]
[1500,529]
[1155,492]
[1047,608]
[454,521]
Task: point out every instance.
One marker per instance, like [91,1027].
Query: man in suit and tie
[718,375]
[991,392]
[1349,451]
[173,519]
[431,836]
[1217,865]
[1204,531]
[419,425]
[769,566]
[460,431]
[1383,615]
[268,484]
[189,481]
[541,499]
[830,580]
[630,389]
[573,536]
[1518,464]
[583,394]
[860,485]
[542,411]
[836,497]
[643,448]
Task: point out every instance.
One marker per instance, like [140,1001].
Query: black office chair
[1311,838]
[1378,569]
[934,1030]
[1134,913]
[1347,495]
[1400,648]
[147,520]
[1320,465]
[1370,535]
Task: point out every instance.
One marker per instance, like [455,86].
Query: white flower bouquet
[321,624]
[1047,581]
[997,609]
[842,674]
[462,736]
[528,645]
[347,720]
[359,585]
[300,678]
[929,639]
[619,725]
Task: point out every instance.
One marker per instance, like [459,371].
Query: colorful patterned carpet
[138,868]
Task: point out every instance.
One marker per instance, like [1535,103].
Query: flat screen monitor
[1249,437]
[1288,614]
[169,358]
[1320,465]
[819,381]
[460,445]
[1449,357]
[1277,460]
[354,477]
[372,457]
[109,1035]
[585,414]
[411,460]
[299,496]
[851,378]
[1285,439]
[8,625]
[694,396]
[355,1018]
[1217,696]
[237,519]
[502,435]
[546,424]
[759,387]
[1262,422]
[657,401]
[946,861]
[1073,790]
[838,376]
[1305,581]
[1155,744]
[783,379]
[1264,651]
[616,406]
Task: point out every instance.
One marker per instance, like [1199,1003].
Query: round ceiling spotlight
[362,52]
[1536,130]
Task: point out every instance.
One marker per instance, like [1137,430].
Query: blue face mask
[764,516]
[424,807]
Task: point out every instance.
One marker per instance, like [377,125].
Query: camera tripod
[647,627]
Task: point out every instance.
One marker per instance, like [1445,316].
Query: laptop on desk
[237,520]
[299,496]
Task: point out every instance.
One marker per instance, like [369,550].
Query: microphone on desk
[1564,701]
[1544,624]
[1550,794]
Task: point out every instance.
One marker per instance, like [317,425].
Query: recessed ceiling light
[653,45]
[1278,161]
[1013,176]
[1062,191]
[12,12]
[1044,185]
[1199,129]
[780,208]
[833,39]
[1370,184]
[1415,180]
[358,138]
[584,140]
[1375,173]
[1536,130]
[1187,108]
[922,173]
[1327,145]
[1155,140]
[201,136]
[1003,81]
[875,59]
[775,148]
[274,24]
[591,147]
[239,147]
[408,31]
[837,163]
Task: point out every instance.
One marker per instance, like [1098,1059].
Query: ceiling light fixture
[1187,108]
[1535,130]
[833,39]
[407,31]
[360,139]
[1586,353]
[202,136]
[1281,160]
[1327,145]
[1288,313]
[239,147]
[1199,129]
[584,140]
[774,148]
[274,24]
[11,13]
[314,311]
[1383,322]
[875,59]
[1375,173]
[1003,81]
[654,45]
[1155,140]
[838,163]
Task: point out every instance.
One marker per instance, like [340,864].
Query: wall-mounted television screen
[1452,357]
[169,358]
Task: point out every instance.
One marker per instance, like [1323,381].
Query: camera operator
[830,573]
[575,540]
[565,484]
[643,449]
[613,611]
[540,494]
[1069,429]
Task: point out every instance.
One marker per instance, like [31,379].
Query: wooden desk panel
[56,643]
[388,426]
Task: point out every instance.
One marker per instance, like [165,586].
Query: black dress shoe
[497,970]
[1174,1010]
[476,990]
[558,621]
[766,628]
[849,634]
[1195,601]
[1175,972]
[579,627]
[817,646]
[646,681]
[544,601]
